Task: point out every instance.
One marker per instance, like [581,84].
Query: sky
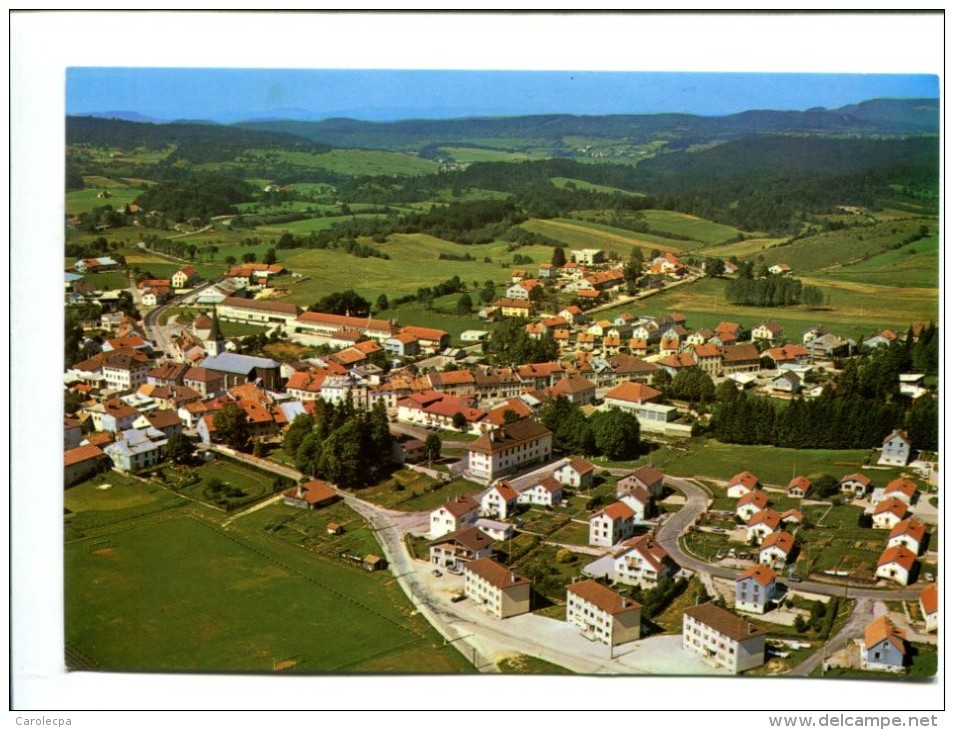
[235,94]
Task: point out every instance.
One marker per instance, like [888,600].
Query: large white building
[508,448]
[602,614]
[722,638]
[495,588]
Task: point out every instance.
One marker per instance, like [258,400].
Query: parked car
[436,573]
[459,597]
[795,578]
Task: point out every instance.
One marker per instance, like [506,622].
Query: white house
[642,562]
[645,477]
[496,589]
[639,501]
[741,483]
[577,473]
[612,524]
[456,549]
[855,485]
[798,487]
[135,450]
[901,489]
[909,533]
[722,638]
[768,330]
[776,549]
[889,513]
[754,589]
[453,515]
[548,493]
[499,501]
[895,449]
[751,503]
[763,524]
[896,563]
[602,614]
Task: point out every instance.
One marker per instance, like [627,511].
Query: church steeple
[216,342]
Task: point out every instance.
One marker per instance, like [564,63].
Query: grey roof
[72,277]
[229,362]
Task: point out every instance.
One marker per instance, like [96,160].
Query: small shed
[334,528]
[374,562]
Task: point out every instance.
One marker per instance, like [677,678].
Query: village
[150,388]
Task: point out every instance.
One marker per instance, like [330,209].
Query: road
[861,616]
[158,333]
[484,639]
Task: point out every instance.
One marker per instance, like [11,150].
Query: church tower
[216,342]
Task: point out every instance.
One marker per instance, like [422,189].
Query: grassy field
[772,465]
[91,505]
[183,595]
[855,310]
[240,484]
[362,162]
[411,491]
[564,182]
[413,263]
[583,234]
[682,224]
[83,201]
[476,154]
[108,280]
[917,265]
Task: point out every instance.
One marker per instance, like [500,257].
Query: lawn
[411,491]
[183,595]
[682,224]
[108,280]
[917,264]
[711,458]
[573,533]
[83,201]
[238,484]
[90,508]
[584,234]
[706,545]
[670,619]
[855,309]
[844,548]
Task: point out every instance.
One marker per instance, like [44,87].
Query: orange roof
[893,505]
[581,466]
[306,380]
[756,497]
[898,554]
[860,478]
[617,511]
[746,479]
[425,333]
[505,490]
[571,385]
[634,392]
[784,541]
[707,350]
[800,482]
[902,485]
[928,598]
[766,517]
[792,514]
[314,492]
[605,599]
[494,573]
[882,629]
[650,550]
[910,527]
[460,506]
[762,574]
[81,454]
[368,347]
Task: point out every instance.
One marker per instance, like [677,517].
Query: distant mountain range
[563,134]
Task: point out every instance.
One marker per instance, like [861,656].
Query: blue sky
[235,94]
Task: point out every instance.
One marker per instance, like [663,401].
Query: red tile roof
[617,511]
[860,478]
[893,505]
[902,486]
[928,599]
[910,527]
[81,454]
[898,554]
[633,392]
[746,479]
[784,541]
[605,599]
[756,497]
[766,517]
[494,573]
[460,506]
[762,574]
